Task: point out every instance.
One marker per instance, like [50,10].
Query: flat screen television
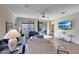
[65,25]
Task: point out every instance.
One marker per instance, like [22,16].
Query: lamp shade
[13,33]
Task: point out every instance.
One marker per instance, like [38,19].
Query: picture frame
[9,26]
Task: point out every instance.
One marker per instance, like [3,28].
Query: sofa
[3,44]
[33,33]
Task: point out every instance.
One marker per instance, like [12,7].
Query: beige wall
[5,15]
[2,28]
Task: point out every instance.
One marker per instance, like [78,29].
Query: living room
[42,22]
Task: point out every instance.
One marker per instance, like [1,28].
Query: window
[28,26]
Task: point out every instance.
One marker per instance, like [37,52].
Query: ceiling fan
[44,16]
[43,13]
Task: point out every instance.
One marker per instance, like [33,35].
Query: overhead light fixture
[26,5]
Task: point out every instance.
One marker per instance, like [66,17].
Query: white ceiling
[34,10]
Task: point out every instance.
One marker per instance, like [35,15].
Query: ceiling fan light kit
[63,12]
[43,13]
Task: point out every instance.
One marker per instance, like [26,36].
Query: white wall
[75,27]
[5,15]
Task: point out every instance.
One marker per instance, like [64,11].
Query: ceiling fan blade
[46,10]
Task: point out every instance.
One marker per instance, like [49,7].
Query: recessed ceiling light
[26,5]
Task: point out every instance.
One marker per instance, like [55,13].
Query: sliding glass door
[29,26]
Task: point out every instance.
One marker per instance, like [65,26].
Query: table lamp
[12,35]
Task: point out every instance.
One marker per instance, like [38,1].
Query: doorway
[42,28]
